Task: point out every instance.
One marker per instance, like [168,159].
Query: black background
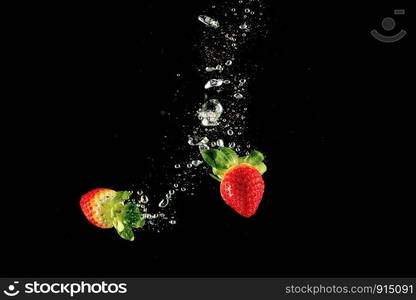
[330,110]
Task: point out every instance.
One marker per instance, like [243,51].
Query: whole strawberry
[242,184]
[106,208]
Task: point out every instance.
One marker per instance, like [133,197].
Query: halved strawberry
[106,208]
[242,184]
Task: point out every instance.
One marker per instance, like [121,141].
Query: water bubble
[173,222]
[171,192]
[231,145]
[238,96]
[230,132]
[220,143]
[203,147]
[247,10]
[210,22]
[164,203]
[175,185]
[227,81]
[196,163]
[210,112]
[144,199]
[196,141]
[243,26]
[183,189]
[177,166]
[139,192]
[239,133]
[219,68]
[210,69]
[242,81]
[233,9]
[213,83]
[213,144]
[189,165]
[230,37]
[228,62]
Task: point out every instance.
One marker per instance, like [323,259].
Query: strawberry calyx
[125,216]
[222,159]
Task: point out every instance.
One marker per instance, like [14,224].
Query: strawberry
[242,184]
[106,208]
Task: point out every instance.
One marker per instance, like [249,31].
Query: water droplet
[220,143]
[183,189]
[228,62]
[163,203]
[144,199]
[233,9]
[173,222]
[140,192]
[177,166]
[219,68]
[238,96]
[230,132]
[227,81]
[213,144]
[210,112]
[243,26]
[210,22]
[171,192]
[242,81]
[189,165]
[210,69]
[239,133]
[247,10]
[175,185]
[196,163]
[231,145]
[213,83]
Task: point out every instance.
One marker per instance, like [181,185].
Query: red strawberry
[106,208]
[242,184]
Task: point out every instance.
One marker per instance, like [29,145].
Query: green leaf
[127,234]
[132,216]
[219,172]
[122,196]
[215,158]
[231,156]
[215,177]
[223,158]
[261,167]
[254,158]
[118,224]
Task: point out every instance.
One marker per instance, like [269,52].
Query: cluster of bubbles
[221,114]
